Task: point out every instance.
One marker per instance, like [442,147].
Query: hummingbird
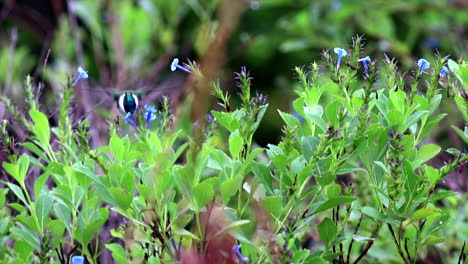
[127,102]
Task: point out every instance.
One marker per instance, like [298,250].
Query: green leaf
[235,144]
[118,253]
[230,187]
[43,206]
[3,193]
[116,147]
[122,198]
[331,112]
[430,125]
[273,205]
[432,240]
[333,190]
[23,164]
[62,212]
[463,135]
[37,151]
[39,183]
[17,191]
[394,118]
[232,226]
[398,99]
[309,146]
[29,236]
[227,120]
[263,173]
[41,128]
[412,119]
[327,230]
[13,170]
[318,121]
[333,202]
[427,152]
[203,193]
[290,120]
[424,213]
[326,178]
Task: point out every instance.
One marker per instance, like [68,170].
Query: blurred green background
[129,44]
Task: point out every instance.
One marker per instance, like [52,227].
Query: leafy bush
[348,182]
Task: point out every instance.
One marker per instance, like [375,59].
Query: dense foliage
[359,156]
[347,180]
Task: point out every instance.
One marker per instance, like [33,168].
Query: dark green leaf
[327,230]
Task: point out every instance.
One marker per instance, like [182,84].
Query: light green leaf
[41,128]
[273,205]
[203,193]
[427,152]
[235,144]
[116,147]
[43,206]
[424,213]
[333,202]
[230,187]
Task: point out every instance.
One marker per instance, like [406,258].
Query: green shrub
[348,182]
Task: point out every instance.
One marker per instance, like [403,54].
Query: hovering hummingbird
[127,102]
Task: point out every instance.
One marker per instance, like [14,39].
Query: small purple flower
[175,65]
[365,63]
[423,65]
[149,115]
[82,75]
[443,72]
[341,53]
[77,260]
[236,250]
[128,120]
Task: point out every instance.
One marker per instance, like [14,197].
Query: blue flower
[82,75]
[341,53]
[175,65]
[128,120]
[365,62]
[423,65]
[336,5]
[236,250]
[77,260]
[149,115]
[443,72]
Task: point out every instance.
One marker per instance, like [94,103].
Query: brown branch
[350,247]
[369,244]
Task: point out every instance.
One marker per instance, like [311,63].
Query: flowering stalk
[366,61]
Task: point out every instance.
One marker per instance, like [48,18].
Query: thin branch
[406,250]
[462,257]
[350,247]
[369,244]
[400,252]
